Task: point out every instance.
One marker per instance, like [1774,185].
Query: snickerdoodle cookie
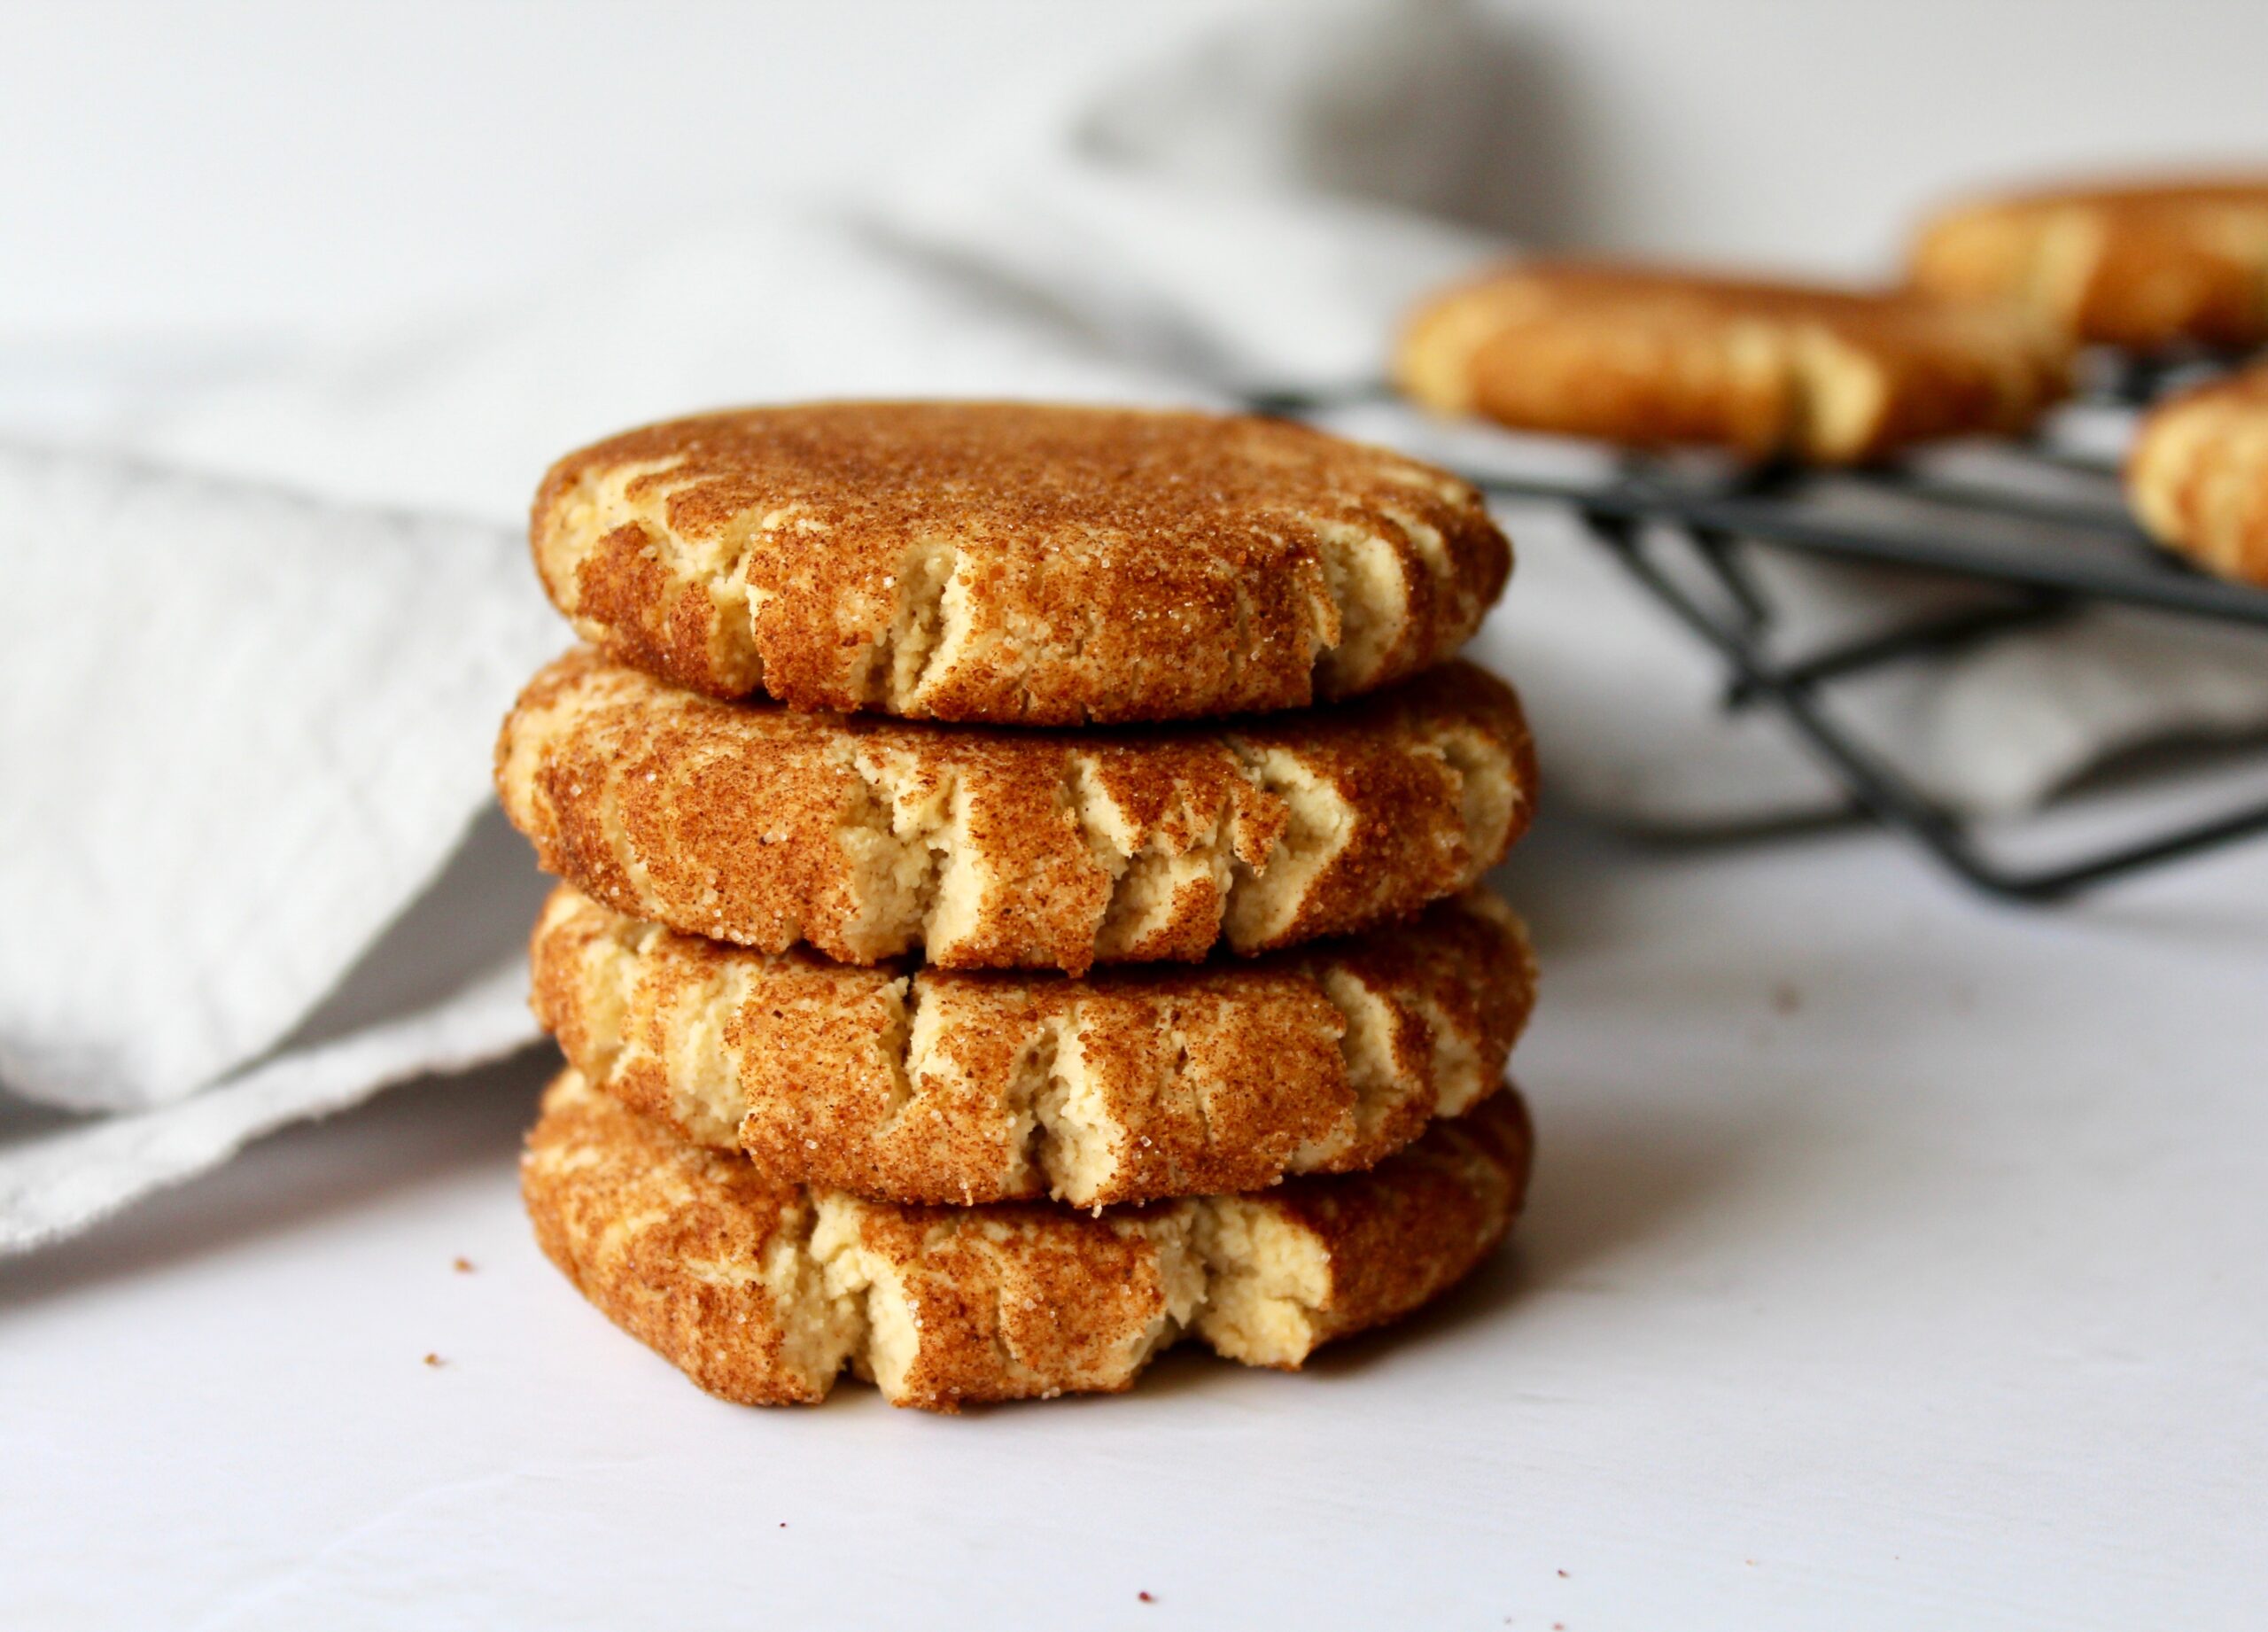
[1772,370]
[869,838]
[1136,1083]
[763,1291]
[2198,475]
[2140,264]
[1013,564]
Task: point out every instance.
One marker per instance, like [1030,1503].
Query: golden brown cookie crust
[1015,564]
[1658,358]
[997,848]
[762,1292]
[2143,265]
[2198,475]
[1133,1085]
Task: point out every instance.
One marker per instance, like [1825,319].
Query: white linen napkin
[245,732]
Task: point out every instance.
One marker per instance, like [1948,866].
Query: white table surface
[1893,1261]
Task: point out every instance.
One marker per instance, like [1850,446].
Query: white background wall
[270,165]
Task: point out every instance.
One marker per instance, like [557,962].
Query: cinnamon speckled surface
[918,1084]
[1014,563]
[762,1292]
[757,824]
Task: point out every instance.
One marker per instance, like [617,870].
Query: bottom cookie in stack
[763,1290]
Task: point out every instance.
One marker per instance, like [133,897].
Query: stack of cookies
[1020,893]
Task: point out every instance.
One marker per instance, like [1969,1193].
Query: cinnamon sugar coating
[993,849]
[1135,1084]
[763,1291]
[1771,370]
[1013,564]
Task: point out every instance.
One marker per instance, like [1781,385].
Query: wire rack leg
[1876,785]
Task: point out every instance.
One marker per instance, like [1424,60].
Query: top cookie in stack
[1140,627]
[1014,564]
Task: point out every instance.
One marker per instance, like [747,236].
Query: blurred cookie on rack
[2142,265]
[2198,475]
[1649,357]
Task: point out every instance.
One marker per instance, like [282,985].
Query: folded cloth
[246,732]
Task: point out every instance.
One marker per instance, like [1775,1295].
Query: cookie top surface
[1013,564]
[1135,1084]
[763,1291]
[2141,264]
[1651,357]
[2198,475]
[873,838]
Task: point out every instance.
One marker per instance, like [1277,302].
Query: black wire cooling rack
[2066,552]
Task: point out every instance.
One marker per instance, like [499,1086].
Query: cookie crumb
[435,1360]
[462,1266]
[1145,1598]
